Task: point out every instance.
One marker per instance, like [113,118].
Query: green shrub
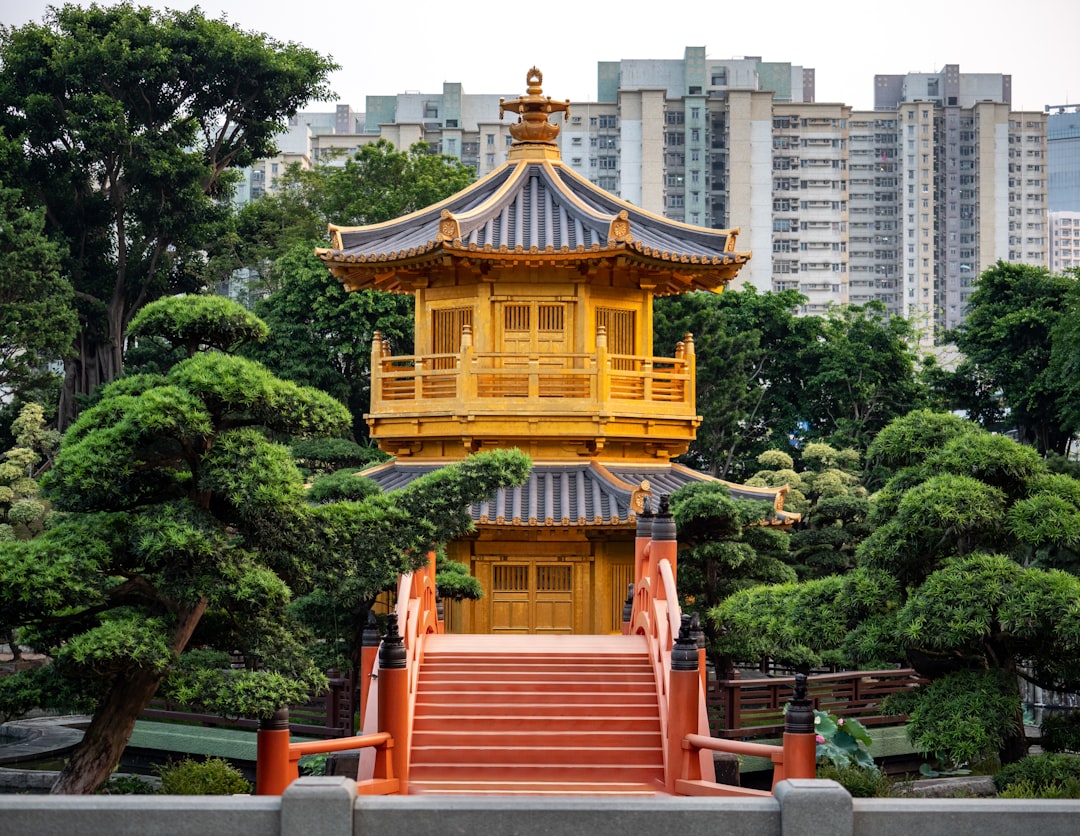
[342,485]
[1029,789]
[325,455]
[1038,772]
[1061,731]
[214,776]
[859,781]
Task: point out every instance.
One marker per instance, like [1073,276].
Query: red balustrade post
[683,695]
[273,772]
[800,741]
[369,652]
[698,636]
[664,547]
[394,704]
[642,538]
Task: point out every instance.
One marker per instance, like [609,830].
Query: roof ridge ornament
[534,108]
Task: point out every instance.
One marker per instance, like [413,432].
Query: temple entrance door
[533,597]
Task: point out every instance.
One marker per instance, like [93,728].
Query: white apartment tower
[905,204]
[971,185]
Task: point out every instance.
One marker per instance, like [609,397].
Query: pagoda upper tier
[534,293]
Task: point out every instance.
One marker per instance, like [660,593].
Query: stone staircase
[536,715]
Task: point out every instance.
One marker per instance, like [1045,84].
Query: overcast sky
[415,45]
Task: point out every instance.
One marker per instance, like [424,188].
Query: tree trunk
[104,742]
[94,363]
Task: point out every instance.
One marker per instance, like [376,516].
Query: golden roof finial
[533,126]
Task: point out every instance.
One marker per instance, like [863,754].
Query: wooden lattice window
[510,578]
[517,317]
[553,578]
[621,328]
[551,318]
[446,327]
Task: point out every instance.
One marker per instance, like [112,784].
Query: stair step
[532,788]
[538,755]
[643,678]
[506,696]
[486,772]
[541,736]
[504,723]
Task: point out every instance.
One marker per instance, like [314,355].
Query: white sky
[391,47]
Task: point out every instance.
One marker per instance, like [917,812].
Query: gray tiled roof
[575,493]
[527,206]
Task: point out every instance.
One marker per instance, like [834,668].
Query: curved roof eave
[533,208]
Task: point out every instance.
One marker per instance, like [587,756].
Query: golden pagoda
[534,298]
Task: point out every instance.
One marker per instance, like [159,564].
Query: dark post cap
[663,526]
[684,655]
[799,718]
[392,654]
[278,721]
[370,636]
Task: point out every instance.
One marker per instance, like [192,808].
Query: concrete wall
[330,807]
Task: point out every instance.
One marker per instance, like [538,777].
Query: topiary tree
[726,544]
[185,534]
[976,595]
[832,502]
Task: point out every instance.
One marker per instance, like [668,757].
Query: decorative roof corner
[619,231]
[449,228]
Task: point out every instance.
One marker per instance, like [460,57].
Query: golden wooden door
[532,597]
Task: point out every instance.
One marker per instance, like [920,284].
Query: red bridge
[557,715]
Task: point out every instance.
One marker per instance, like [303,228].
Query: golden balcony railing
[532,381]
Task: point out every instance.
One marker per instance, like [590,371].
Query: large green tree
[186,531]
[747,346]
[970,575]
[126,123]
[860,374]
[37,319]
[1065,358]
[1007,339]
[319,333]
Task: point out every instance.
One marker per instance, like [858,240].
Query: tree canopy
[186,532]
[320,334]
[124,125]
[1007,339]
[970,575]
[37,317]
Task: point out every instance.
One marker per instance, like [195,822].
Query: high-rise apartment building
[905,204]
[971,180]
[1063,157]
[1064,241]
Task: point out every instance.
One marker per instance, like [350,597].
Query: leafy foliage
[964,717]
[213,776]
[322,335]
[185,526]
[1007,337]
[747,344]
[125,125]
[842,741]
[198,323]
[37,313]
[1039,772]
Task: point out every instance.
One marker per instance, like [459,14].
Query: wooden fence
[328,715]
[755,707]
